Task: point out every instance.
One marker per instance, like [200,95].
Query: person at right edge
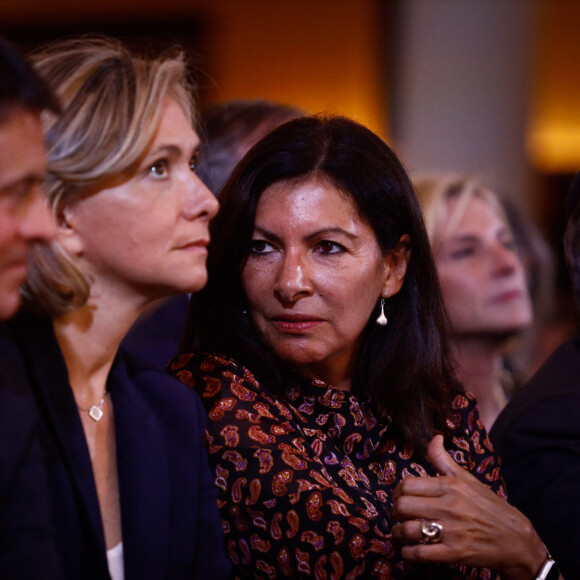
[538,433]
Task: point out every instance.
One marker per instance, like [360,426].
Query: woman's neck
[479,367]
[89,338]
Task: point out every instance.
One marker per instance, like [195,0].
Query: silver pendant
[95,413]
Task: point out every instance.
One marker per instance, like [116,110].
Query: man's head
[24,215]
[230,129]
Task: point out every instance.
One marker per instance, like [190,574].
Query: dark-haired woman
[319,352]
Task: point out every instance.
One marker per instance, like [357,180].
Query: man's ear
[67,234]
[396,262]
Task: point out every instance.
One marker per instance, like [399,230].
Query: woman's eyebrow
[332,230]
[463,238]
[318,233]
[173,149]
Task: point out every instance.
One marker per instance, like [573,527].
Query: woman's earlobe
[67,235]
[397,261]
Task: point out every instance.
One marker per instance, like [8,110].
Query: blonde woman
[129,485]
[482,281]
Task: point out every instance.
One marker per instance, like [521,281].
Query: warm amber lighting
[555,148]
[554,129]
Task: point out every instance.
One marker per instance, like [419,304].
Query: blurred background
[489,88]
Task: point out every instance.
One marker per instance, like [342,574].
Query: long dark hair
[403,369]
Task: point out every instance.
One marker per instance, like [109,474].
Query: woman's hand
[479,528]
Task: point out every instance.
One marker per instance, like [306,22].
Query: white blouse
[115,560]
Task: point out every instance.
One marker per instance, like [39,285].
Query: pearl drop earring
[382,319]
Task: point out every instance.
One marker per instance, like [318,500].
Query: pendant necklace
[96,411]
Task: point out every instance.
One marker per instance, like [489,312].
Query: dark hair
[229,129]
[404,368]
[20,86]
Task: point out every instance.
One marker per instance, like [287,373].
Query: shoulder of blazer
[559,376]
[167,393]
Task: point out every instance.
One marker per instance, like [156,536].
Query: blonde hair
[111,105]
[435,190]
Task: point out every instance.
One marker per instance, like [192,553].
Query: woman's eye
[463,252]
[260,247]
[193,161]
[159,168]
[510,244]
[329,247]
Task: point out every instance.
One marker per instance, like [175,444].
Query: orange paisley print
[305,481]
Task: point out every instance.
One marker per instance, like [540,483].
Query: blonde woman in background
[131,493]
[482,280]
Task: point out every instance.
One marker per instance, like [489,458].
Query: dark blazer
[538,438]
[169,518]
[27,539]
[156,335]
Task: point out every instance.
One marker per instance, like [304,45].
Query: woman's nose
[505,260]
[201,202]
[293,280]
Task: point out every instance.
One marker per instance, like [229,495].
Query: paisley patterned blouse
[305,482]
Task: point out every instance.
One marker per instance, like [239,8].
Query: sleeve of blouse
[284,515]
[470,445]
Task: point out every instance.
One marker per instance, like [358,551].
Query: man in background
[27,548]
[24,216]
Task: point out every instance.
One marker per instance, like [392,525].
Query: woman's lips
[296,324]
[196,246]
[508,296]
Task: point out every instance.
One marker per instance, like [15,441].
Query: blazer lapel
[48,374]
[143,477]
